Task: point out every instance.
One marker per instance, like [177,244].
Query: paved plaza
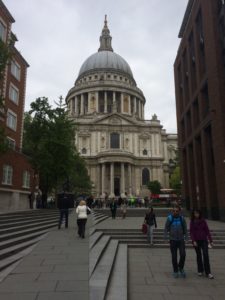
[57,268]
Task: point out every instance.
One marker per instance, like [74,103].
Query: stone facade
[122,150]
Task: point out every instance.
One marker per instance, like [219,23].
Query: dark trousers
[81,227]
[174,246]
[202,252]
[113,211]
[64,212]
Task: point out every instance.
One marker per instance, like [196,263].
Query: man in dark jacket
[113,207]
[63,205]
[177,228]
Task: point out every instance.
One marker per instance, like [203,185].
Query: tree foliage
[49,141]
[175,180]
[154,187]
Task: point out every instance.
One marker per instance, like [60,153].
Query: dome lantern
[105,38]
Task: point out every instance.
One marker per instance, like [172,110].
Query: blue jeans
[64,212]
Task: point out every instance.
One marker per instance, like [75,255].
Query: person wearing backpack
[201,240]
[150,221]
[176,227]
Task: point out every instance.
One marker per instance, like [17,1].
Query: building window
[145,176]
[2,32]
[13,93]
[11,143]
[115,140]
[15,69]
[84,151]
[26,179]
[145,152]
[11,120]
[7,175]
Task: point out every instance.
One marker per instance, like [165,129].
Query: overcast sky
[56,36]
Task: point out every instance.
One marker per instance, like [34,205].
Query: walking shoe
[200,274]
[175,274]
[182,274]
[210,276]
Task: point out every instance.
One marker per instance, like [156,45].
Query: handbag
[144,228]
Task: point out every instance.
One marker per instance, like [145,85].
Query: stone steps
[99,280]
[136,237]
[98,217]
[19,231]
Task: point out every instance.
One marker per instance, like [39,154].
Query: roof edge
[6,11]
[186,18]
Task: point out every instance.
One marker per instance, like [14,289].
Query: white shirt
[81,211]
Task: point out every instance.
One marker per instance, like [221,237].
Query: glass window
[26,179]
[15,69]
[145,176]
[115,140]
[7,175]
[11,120]
[11,143]
[2,31]
[13,94]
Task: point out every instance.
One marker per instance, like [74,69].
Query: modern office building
[200,100]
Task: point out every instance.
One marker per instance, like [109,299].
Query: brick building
[200,99]
[16,174]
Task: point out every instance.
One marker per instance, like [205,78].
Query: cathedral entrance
[117,186]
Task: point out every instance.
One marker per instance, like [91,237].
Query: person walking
[201,239]
[82,211]
[63,205]
[176,227]
[124,209]
[150,221]
[113,207]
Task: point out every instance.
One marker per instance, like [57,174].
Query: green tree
[154,187]
[175,180]
[5,54]
[49,141]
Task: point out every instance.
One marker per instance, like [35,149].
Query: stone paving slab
[57,268]
[150,276]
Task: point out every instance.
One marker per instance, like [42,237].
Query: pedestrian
[150,221]
[177,228]
[201,239]
[31,197]
[63,205]
[124,209]
[82,212]
[113,208]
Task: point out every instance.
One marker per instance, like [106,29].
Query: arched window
[145,152]
[114,140]
[84,151]
[145,176]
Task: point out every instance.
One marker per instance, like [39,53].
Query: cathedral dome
[105,60]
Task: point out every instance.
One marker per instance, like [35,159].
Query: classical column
[129,105]
[135,105]
[97,101]
[121,101]
[122,192]
[112,180]
[105,102]
[114,109]
[76,105]
[103,179]
[82,104]
[139,102]
[129,179]
[143,115]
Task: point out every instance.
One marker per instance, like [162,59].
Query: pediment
[115,119]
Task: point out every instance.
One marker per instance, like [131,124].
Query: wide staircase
[20,231]
[108,258]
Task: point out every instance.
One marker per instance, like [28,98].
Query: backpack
[181,221]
